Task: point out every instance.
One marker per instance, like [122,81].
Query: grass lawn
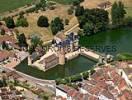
[6,5]
[124,56]
[63,1]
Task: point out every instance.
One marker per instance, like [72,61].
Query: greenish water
[72,67]
[113,42]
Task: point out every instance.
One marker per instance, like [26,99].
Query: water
[72,67]
[112,42]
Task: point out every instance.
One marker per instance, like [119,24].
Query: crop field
[6,5]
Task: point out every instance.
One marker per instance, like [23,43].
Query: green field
[63,1]
[6,5]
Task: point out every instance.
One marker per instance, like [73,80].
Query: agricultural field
[6,5]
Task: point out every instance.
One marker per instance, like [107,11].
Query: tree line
[94,20]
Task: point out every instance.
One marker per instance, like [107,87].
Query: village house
[125,70]
[5,29]
[4,55]
[105,5]
[104,84]
[10,93]
[9,41]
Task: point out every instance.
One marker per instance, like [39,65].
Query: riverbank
[124,56]
[112,41]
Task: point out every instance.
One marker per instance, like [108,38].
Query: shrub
[76,78]
[66,21]
[70,11]
[22,22]
[85,75]
[10,22]
[92,71]
[43,21]
[61,81]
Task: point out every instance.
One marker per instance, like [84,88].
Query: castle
[61,45]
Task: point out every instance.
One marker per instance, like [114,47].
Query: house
[125,70]
[10,41]
[6,30]
[105,5]
[68,42]
[4,55]
[68,93]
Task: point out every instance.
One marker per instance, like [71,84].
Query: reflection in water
[72,67]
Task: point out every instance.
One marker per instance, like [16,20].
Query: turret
[61,56]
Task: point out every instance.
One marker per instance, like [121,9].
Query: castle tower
[61,56]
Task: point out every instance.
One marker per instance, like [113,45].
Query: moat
[113,42]
[72,67]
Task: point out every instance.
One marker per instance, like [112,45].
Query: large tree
[118,13]
[79,11]
[22,40]
[93,20]
[56,25]
[43,21]
[10,22]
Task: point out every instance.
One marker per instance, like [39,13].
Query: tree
[35,41]
[2,32]
[70,11]
[22,40]
[77,2]
[9,22]
[56,25]
[128,21]
[43,4]
[118,13]
[122,11]
[93,20]
[66,21]
[21,21]
[88,28]
[4,45]
[43,21]
[79,11]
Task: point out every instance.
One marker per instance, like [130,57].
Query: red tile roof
[6,54]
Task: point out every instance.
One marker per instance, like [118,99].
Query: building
[65,44]
[105,5]
[10,41]
[62,45]
[125,70]
[104,84]
[4,55]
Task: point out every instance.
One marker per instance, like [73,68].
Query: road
[39,82]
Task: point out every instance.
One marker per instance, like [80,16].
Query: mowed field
[45,33]
[61,11]
[7,5]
